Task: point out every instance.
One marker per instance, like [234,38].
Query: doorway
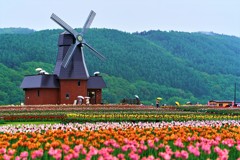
[92,95]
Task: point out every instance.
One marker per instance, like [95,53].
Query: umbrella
[42,72]
[81,97]
[38,69]
[136,96]
[159,98]
[188,103]
[87,97]
[177,103]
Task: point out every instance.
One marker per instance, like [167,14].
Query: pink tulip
[56,153]
[58,156]
[17,158]
[51,151]
[84,151]
[133,156]
[78,148]
[143,147]
[168,150]
[24,154]
[206,148]
[120,156]
[107,143]
[151,157]
[161,145]
[2,150]
[75,155]
[37,154]
[6,157]
[139,151]
[151,143]
[178,154]
[156,139]
[223,154]
[115,145]
[104,152]
[179,143]
[65,148]
[125,140]
[124,148]
[11,152]
[229,142]
[193,150]
[218,138]
[142,142]
[184,154]
[93,150]
[101,158]
[164,155]
[238,147]
[68,157]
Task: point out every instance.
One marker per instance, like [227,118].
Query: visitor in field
[87,101]
[80,100]
[157,103]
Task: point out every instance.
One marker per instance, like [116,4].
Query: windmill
[70,78]
[71,64]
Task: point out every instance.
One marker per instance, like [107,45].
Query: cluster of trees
[176,66]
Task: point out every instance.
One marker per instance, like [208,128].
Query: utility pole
[235,86]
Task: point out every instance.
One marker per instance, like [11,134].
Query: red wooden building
[70,78]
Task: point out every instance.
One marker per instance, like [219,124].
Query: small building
[48,89]
[221,103]
[41,89]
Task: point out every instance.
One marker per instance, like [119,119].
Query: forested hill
[176,66]
[15,31]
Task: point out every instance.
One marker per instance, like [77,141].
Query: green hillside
[15,31]
[174,65]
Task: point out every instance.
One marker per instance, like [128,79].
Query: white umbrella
[136,96]
[38,69]
[87,97]
[81,97]
[96,73]
[42,72]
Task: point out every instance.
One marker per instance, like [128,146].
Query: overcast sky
[219,16]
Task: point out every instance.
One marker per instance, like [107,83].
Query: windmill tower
[70,78]
[70,66]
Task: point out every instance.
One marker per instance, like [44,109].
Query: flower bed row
[27,118]
[76,107]
[115,116]
[211,110]
[166,140]
[95,117]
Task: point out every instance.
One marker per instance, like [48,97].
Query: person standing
[80,101]
[157,103]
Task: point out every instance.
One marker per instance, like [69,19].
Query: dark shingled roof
[96,82]
[40,81]
[76,68]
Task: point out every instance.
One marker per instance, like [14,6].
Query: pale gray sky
[219,16]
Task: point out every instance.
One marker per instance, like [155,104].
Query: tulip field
[119,132]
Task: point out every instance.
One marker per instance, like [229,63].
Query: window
[67,96]
[38,93]
[79,82]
